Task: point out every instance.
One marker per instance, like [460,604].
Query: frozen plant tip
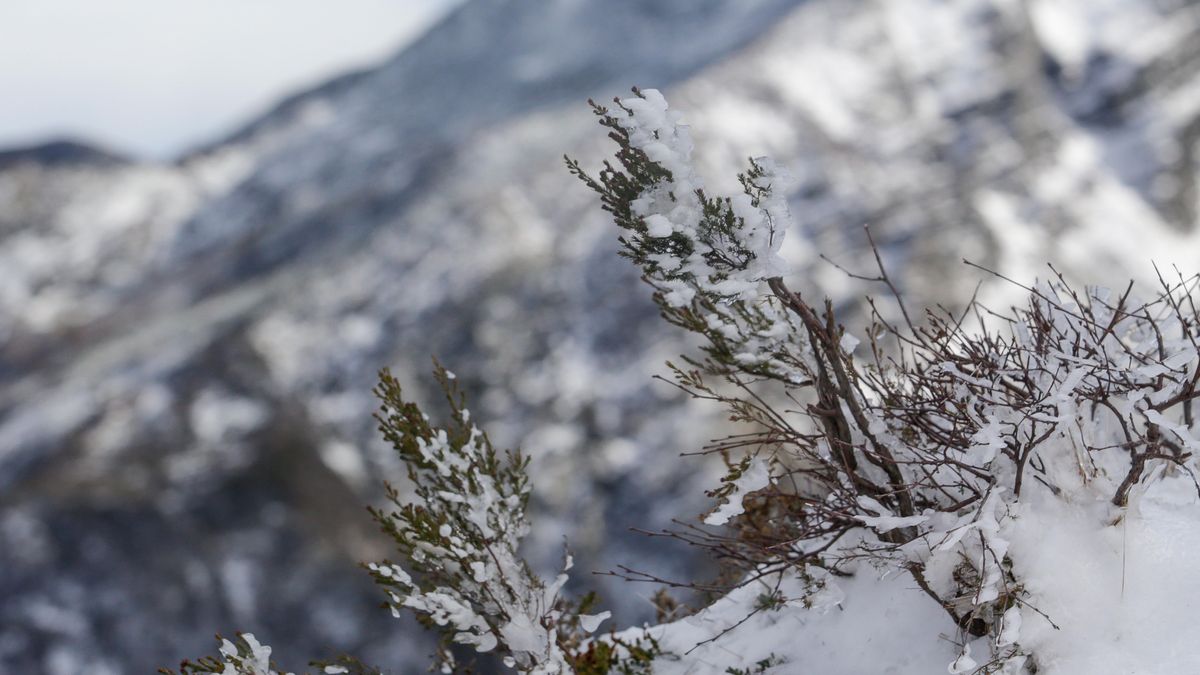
[459,537]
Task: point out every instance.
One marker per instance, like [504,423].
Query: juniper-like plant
[457,532]
[458,540]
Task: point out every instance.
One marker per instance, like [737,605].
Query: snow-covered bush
[457,531]
[245,655]
[459,540]
[1031,473]
[945,448]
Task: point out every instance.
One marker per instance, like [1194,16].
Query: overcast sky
[154,77]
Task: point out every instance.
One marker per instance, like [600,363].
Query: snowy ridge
[387,218]
[273,275]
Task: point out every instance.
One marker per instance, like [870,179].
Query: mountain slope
[187,350]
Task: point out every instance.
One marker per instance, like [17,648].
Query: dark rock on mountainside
[59,152]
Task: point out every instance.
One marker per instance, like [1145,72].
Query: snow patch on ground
[862,624]
[1124,596]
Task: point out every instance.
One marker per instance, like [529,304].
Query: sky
[152,78]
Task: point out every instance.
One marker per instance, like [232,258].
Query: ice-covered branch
[459,538]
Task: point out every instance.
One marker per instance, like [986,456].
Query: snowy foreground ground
[1123,598]
[869,625]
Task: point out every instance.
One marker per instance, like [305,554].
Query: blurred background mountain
[187,347]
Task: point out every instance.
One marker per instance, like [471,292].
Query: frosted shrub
[244,655]
[926,449]
[457,533]
[459,539]
[999,462]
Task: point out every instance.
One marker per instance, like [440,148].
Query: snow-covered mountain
[187,350]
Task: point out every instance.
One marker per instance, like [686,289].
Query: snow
[257,662]
[658,226]
[217,416]
[1075,30]
[756,477]
[885,520]
[862,624]
[1122,595]
[109,230]
[346,460]
[590,622]
[1122,598]
[848,343]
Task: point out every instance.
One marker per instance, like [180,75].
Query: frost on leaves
[457,530]
[928,455]
[458,537]
[705,256]
[245,655]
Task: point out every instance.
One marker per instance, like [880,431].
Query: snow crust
[1119,586]
[867,623]
[1104,597]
